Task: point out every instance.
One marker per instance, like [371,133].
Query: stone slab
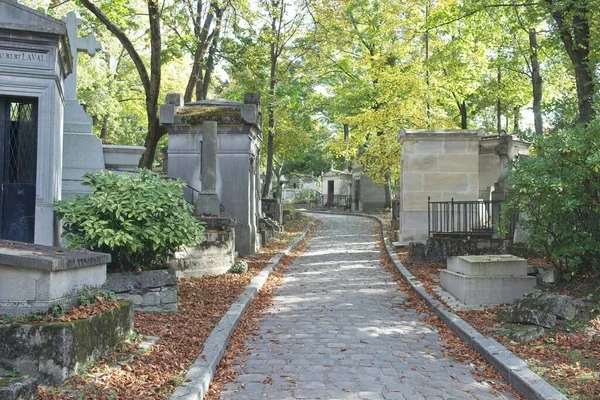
[19,254]
[488,265]
[486,290]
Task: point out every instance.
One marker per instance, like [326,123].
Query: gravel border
[201,372]
[511,367]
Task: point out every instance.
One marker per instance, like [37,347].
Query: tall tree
[573,20]
[150,78]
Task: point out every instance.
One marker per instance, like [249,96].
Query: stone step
[486,290]
[489,265]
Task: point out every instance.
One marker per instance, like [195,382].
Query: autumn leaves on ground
[130,374]
[569,360]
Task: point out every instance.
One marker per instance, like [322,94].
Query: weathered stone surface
[520,333]
[416,253]
[524,315]
[545,309]
[133,281]
[150,291]
[439,249]
[18,388]
[55,350]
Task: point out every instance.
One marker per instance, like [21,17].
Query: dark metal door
[18,167]
[330,190]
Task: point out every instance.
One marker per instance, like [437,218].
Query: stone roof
[15,16]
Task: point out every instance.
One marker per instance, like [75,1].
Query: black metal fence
[465,218]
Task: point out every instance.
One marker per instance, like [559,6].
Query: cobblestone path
[337,330]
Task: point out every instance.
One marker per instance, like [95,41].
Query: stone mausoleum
[236,178]
[444,166]
[35,59]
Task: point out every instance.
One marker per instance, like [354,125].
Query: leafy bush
[141,220]
[558,189]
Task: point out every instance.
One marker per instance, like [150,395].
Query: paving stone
[337,330]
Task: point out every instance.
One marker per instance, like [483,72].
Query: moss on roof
[221,115]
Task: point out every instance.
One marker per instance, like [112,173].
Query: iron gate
[18,167]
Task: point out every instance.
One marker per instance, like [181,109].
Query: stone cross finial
[87,44]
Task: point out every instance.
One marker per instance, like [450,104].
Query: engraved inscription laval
[23,56]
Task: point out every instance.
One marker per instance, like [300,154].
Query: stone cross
[78,44]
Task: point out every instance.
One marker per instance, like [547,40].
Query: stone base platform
[33,277]
[487,280]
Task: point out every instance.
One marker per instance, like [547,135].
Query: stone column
[208,202]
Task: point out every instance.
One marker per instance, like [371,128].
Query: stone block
[168,296]
[486,290]
[488,265]
[53,351]
[416,253]
[421,163]
[459,163]
[455,146]
[412,182]
[446,182]
[151,299]
[18,388]
[426,147]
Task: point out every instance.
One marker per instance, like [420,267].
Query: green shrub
[558,189]
[141,220]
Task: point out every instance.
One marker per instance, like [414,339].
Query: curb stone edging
[201,372]
[511,367]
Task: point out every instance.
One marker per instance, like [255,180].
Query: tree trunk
[427,77]
[155,130]
[536,84]
[576,40]
[210,61]
[464,123]
[199,54]
[499,105]
[271,107]
[388,191]
[104,129]
[517,118]
[150,82]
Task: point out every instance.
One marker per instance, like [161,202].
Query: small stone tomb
[487,280]
[33,277]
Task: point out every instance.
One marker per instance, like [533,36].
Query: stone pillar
[208,202]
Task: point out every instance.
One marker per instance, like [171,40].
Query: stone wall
[441,165]
[150,291]
[54,351]
[214,256]
[439,249]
